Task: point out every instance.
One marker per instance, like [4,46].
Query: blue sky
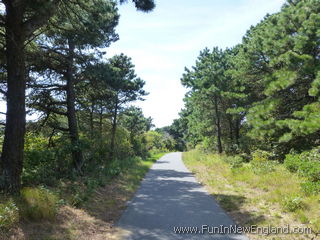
[161,43]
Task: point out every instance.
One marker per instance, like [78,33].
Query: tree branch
[39,19]
[48,109]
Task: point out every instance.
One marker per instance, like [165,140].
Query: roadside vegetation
[85,147]
[84,208]
[257,104]
[70,170]
[260,192]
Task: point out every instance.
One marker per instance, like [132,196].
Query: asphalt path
[169,199]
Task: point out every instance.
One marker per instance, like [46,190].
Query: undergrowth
[260,192]
[40,203]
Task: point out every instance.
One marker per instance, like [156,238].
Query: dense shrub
[262,162]
[312,188]
[45,164]
[9,215]
[123,146]
[292,162]
[260,156]
[159,142]
[234,161]
[306,164]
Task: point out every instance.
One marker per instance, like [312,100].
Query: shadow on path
[170,197]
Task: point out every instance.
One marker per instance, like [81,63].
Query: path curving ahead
[170,197]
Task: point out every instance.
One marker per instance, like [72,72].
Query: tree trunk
[237,131]
[91,119]
[113,131]
[71,111]
[230,128]
[101,119]
[218,125]
[13,145]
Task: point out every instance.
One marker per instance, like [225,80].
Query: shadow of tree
[167,197]
[233,205]
[70,224]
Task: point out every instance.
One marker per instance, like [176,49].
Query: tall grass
[266,186]
[38,204]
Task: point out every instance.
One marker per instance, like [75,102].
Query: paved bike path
[169,197]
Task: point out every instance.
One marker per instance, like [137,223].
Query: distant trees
[213,98]
[266,88]
[137,124]
[208,83]
[123,87]
[45,43]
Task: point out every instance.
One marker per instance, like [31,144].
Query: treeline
[53,67]
[262,94]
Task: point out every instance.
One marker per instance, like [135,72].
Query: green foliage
[43,164]
[285,111]
[137,124]
[279,190]
[260,156]
[262,163]
[292,162]
[9,215]
[234,161]
[264,92]
[38,204]
[82,189]
[208,144]
[142,5]
[292,203]
[123,145]
[178,131]
[306,164]
[159,141]
[311,188]
[214,99]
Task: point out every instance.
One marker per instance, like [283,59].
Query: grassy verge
[92,219]
[272,197]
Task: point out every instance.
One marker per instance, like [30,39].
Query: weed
[311,188]
[292,203]
[9,215]
[302,217]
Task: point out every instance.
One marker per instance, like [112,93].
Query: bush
[306,164]
[311,188]
[43,164]
[292,162]
[234,161]
[260,156]
[292,203]
[38,204]
[262,162]
[79,195]
[207,145]
[9,215]
[113,169]
[310,170]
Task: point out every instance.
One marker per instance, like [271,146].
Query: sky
[163,42]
